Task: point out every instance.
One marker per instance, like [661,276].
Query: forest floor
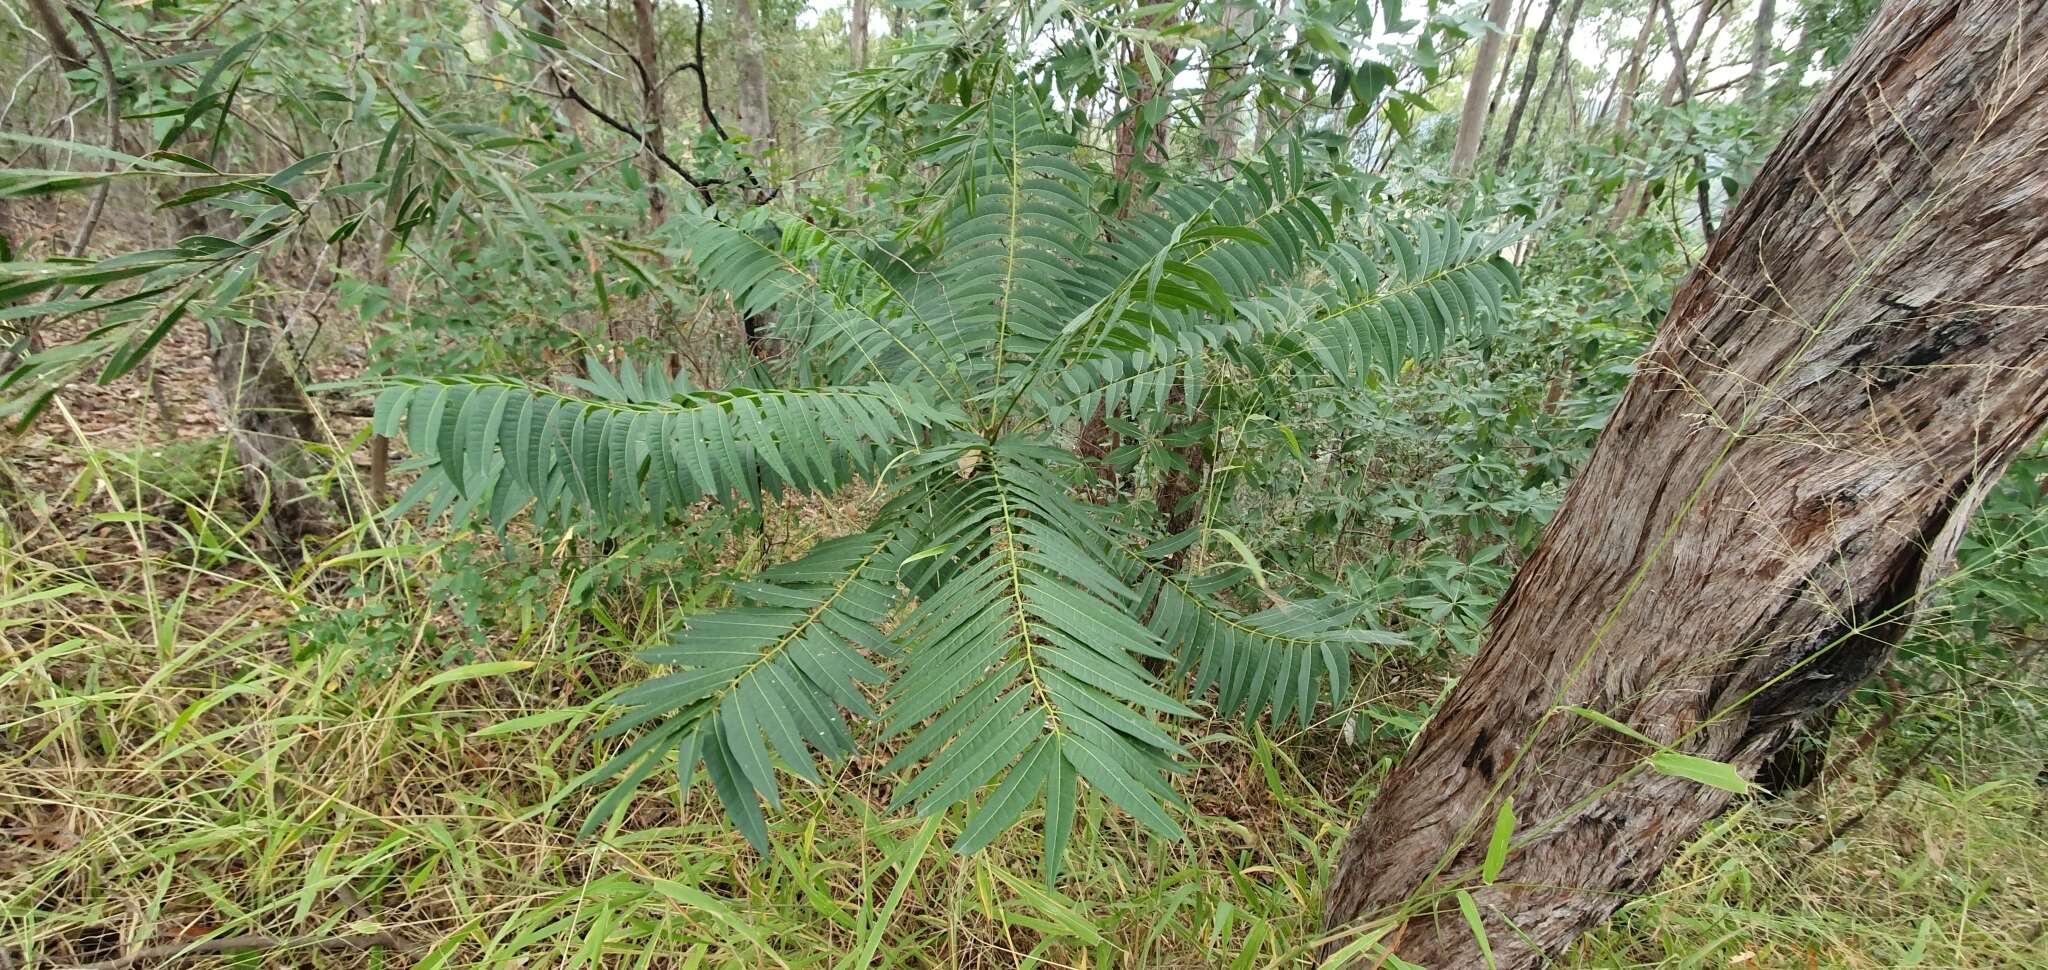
[365,759]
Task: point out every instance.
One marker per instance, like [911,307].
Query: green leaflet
[757,686]
[1025,662]
[624,461]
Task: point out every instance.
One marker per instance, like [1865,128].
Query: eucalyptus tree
[1853,363]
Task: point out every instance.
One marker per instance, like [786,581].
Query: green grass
[198,745]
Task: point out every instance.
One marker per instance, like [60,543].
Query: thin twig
[30,341]
[703,186]
[761,194]
[1684,76]
[99,194]
[703,86]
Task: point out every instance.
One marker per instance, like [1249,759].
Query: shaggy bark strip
[1862,350]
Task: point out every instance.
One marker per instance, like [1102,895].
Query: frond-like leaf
[1279,661]
[757,685]
[1354,315]
[849,317]
[1017,221]
[1407,306]
[626,457]
[1024,662]
[1202,271]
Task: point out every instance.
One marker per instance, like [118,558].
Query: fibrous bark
[1861,351]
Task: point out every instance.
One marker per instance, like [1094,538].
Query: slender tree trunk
[546,17]
[1859,355]
[1760,50]
[758,122]
[1219,104]
[1134,138]
[857,34]
[648,62]
[1624,112]
[1527,87]
[1682,72]
[1268,117]
[1632,77]
[1632,201]
[1681,68]
[755,117]
[1472,119]
[52,25]
[1507,59]
[268,417]
[1560,73]
[270,421]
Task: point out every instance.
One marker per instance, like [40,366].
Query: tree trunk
[1760,50]
[1528,85]
[1681,70]
[52,26]
[546,17]
[1859,355]
[1683,73]
[1624,111]
[648,62]
[757,121]
[1507,57]
[1472,119]
[755,118]
[1219,105]
[1560,73]
[267,416]
[1632,77]
[269,420]
[857,34]
[1632,201]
